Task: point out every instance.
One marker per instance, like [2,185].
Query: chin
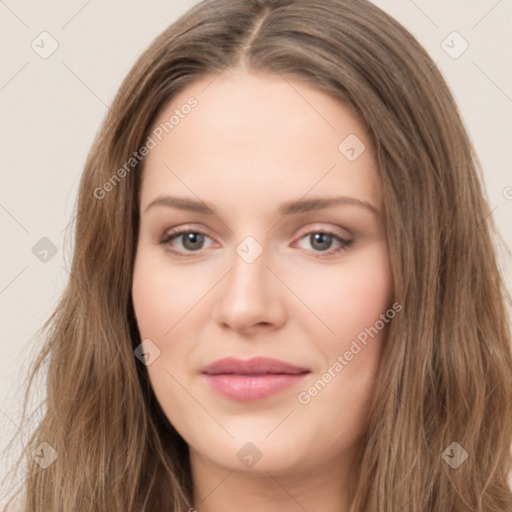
[254,454]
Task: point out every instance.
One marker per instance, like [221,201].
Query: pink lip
[253,379]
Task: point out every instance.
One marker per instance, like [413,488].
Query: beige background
[51,109]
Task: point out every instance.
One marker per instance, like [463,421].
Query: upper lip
[254,366]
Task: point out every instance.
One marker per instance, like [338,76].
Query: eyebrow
[288,208]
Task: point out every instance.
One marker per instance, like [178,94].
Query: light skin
[252,143]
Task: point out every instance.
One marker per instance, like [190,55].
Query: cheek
[356,294]
[158,310]
[355,312]
[345,382]
[149,307]
[162,295]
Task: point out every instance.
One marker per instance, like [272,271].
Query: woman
[284,294]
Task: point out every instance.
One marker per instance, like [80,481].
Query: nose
[250,298]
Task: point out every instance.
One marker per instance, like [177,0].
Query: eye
[191,241]
[322,242]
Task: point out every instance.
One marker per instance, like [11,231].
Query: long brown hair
[446,372]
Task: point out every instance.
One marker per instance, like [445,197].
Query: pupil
[193,241]
[323,239]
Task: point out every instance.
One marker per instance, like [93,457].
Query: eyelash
[344,244]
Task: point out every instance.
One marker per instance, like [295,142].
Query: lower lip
[252,387]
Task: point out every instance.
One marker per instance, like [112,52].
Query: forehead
[251,134]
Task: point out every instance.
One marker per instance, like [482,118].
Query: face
[262,283]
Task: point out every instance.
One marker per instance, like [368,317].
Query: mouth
[253,379]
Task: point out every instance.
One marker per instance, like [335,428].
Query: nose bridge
[250,266]
[249,295]
[248,281]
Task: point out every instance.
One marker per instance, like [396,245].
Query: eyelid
[316,227]
[181,230]
[320,228]
[344,241]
